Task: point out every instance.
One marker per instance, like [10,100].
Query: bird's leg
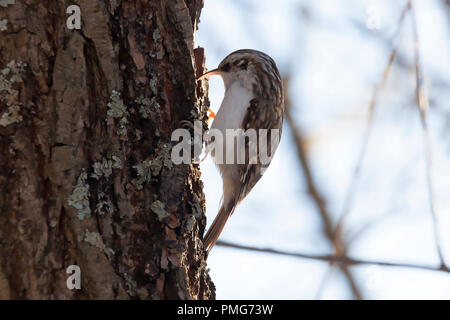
[211,115]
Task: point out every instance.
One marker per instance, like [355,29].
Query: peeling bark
[84,176]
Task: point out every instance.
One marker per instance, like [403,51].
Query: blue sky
[334,63]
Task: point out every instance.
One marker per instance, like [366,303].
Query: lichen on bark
[95,103]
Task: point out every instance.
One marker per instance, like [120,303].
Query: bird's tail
[216,227]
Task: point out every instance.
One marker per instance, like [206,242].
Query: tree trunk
[86,178]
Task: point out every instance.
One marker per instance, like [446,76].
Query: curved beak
[210,73]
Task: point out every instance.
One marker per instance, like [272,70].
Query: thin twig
[340,260]
[423,105]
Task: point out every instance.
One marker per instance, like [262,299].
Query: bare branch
[339,260]
[423,106]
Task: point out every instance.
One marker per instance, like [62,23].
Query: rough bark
[86,179]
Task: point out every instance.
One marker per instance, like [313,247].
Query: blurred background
[357,151]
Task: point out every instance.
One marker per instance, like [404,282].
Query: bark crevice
[96,107]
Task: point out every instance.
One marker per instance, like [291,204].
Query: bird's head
[245,65]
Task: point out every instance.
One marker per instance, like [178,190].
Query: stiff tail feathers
[216,227]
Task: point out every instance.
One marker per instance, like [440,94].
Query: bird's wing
[260,114]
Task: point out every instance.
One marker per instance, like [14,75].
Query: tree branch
[340,260]
[422,106]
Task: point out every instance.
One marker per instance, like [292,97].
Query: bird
[253,99]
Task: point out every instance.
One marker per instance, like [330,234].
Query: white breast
[230,116]
[233,108]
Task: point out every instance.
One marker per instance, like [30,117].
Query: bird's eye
[226,67]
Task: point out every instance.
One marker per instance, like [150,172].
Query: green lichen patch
[118,110]
[158,208]
[147,107]
[8,95]
[101,169]
[11,116]
[122,129]
[109,252]
[3,24]
[95,240]
[104,205]
[142,100]
[154,85]
[116,162]
[105,168]
[152,167]
[80,196]
[162,158]
[164,154]
[139,134]
[144,173]
[130,283]
[156,35]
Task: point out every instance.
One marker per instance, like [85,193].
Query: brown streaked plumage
[253,100]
